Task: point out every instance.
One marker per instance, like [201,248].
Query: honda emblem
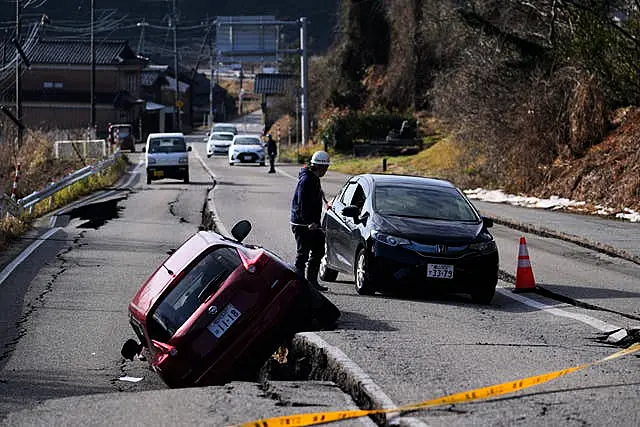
[441,249]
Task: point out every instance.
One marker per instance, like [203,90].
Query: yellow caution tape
[310,419]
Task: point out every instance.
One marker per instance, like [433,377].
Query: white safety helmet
[320,158]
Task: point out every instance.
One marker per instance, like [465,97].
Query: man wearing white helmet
[306,210]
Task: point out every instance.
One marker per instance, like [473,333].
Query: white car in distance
[222,127]
[247,149]
[219,142]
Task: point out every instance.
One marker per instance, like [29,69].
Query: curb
[580,241]
[328,363]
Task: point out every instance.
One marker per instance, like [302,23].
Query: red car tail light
[252,265]
[164,351]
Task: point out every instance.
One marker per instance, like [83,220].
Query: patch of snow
[553,203]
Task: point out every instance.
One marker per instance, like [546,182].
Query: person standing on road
[306,210]
[272,152]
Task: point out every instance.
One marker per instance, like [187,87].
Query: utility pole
[4,47]
[142,26]
[210,117]
[93,69]
[304,81]
[174,25]
[18,76]
[195,69]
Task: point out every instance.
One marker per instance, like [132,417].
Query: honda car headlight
[388,239]
[489,246]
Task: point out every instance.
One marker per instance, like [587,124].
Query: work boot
[312,277]
[318,286]
[313,280]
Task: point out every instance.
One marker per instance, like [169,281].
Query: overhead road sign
[247,38]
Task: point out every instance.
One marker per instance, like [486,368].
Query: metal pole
[174,24]
[277,64]
[4,48]
[211,87]
[297,119]
[93,68]
[142,26]
[18,77]
[304,83]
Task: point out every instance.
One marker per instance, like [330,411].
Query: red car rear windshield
[202,281]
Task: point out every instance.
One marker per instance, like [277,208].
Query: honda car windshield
[423,202]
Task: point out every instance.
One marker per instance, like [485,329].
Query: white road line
[591,321]
[288,175]
[135,172]
[6,272]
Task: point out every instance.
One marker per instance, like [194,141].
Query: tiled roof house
[56,89]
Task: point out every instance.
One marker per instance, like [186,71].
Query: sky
[553,203]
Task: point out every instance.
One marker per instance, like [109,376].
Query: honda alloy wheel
[364,283]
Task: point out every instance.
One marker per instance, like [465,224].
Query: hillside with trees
[529,90]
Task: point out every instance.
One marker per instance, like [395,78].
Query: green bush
[346,129]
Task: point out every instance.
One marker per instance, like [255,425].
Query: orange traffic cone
[524,274]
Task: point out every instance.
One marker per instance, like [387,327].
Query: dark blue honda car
[397,232]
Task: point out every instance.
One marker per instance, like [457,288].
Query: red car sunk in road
[216,309]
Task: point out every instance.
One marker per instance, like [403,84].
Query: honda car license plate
[158,173]
[440,271]
[224,320]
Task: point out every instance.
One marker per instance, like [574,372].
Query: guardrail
[29,202]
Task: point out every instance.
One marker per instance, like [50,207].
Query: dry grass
[11,229]
[82,188]
[40,168]
[442,159]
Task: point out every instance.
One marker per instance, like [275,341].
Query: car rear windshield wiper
[210,288]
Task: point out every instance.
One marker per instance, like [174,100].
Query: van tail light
[164,351]
[254,264]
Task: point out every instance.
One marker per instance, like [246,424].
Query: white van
[167,157]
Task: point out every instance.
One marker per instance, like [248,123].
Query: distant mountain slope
[76,13]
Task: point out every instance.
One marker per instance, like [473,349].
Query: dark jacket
[272,147]
[306,206]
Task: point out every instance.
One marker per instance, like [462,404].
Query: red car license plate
[224,320]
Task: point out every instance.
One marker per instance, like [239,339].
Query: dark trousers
[272,162]
[309,251]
